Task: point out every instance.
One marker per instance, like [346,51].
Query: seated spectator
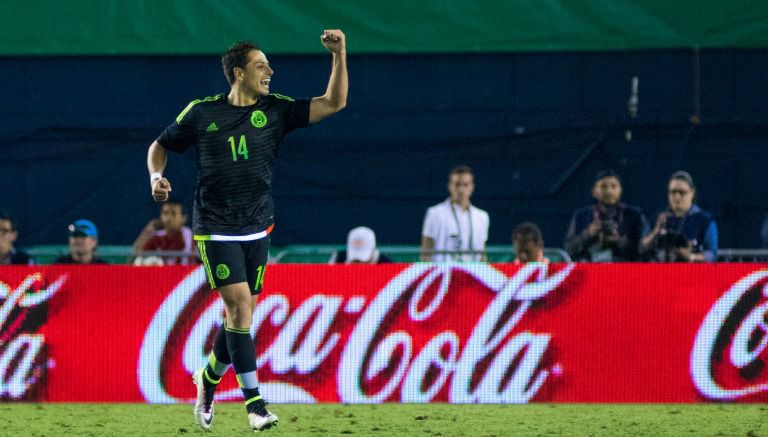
[83,241]
[167,233]
[361,248]
[528,243]
[764,234]
[609,230]
[8,235]
[684,232]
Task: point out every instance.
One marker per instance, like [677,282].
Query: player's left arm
[335,97]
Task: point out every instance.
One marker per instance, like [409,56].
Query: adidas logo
[212,128]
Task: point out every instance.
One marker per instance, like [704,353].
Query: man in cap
[83,240]
[361,248]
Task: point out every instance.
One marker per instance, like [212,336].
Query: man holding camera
[609,230]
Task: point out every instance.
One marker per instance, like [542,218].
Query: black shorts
[231,262]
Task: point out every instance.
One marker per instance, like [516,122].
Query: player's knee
[239,314]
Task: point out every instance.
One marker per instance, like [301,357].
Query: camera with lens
[608,227]
[666,245]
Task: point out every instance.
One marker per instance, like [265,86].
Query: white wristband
[155,176]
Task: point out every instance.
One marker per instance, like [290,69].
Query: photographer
[684,232]
[608,230]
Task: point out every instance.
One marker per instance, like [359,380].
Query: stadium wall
[119,27]
[535,126]
[369,334]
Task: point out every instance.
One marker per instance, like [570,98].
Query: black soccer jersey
[237,147]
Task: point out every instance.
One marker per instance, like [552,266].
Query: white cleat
[262,422]
[203,405]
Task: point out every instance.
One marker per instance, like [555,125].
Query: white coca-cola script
[306,338]
[742,354]
[21,348]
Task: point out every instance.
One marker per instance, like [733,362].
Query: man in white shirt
[454,224]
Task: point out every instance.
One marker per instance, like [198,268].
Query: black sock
[252,397]
[218,361]
[243,354]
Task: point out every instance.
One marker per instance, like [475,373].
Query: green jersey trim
[280,96]
[204,255]
[195,102]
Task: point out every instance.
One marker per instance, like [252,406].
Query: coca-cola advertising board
[454,332]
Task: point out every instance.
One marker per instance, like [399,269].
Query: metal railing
[112,254]
[316,253]
[320,253]
[742,255]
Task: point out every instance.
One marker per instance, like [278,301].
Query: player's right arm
[156,161]
[177,137]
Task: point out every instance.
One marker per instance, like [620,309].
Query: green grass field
[392,419]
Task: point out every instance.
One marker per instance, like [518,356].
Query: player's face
[607,191]
[7,236]
[680,195]
[257,73]
[172,217]
[461,186]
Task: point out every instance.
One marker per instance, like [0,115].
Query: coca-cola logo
[21,366]
[729,353]
[460,363]
[423,336]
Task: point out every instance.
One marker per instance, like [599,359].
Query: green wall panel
[107,27]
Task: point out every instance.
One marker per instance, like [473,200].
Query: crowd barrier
[322,253]
[298,253]
[453,332]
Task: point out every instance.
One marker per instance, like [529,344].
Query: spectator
[8,235]
[684,232]
[764,234]
[455,224]
[609,230]
[83,241]
[528,243]
[361,248]
[167,233]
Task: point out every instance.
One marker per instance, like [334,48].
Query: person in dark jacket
[609,230]
[683,232]
[8,235]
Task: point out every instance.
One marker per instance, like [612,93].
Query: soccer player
[237,136]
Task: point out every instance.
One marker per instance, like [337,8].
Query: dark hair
[173,201]
[5,216]
[684,176]
[461,169]
[602,174]
[236,56]
[528,231]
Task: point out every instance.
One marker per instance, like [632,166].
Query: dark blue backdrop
[535,127]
